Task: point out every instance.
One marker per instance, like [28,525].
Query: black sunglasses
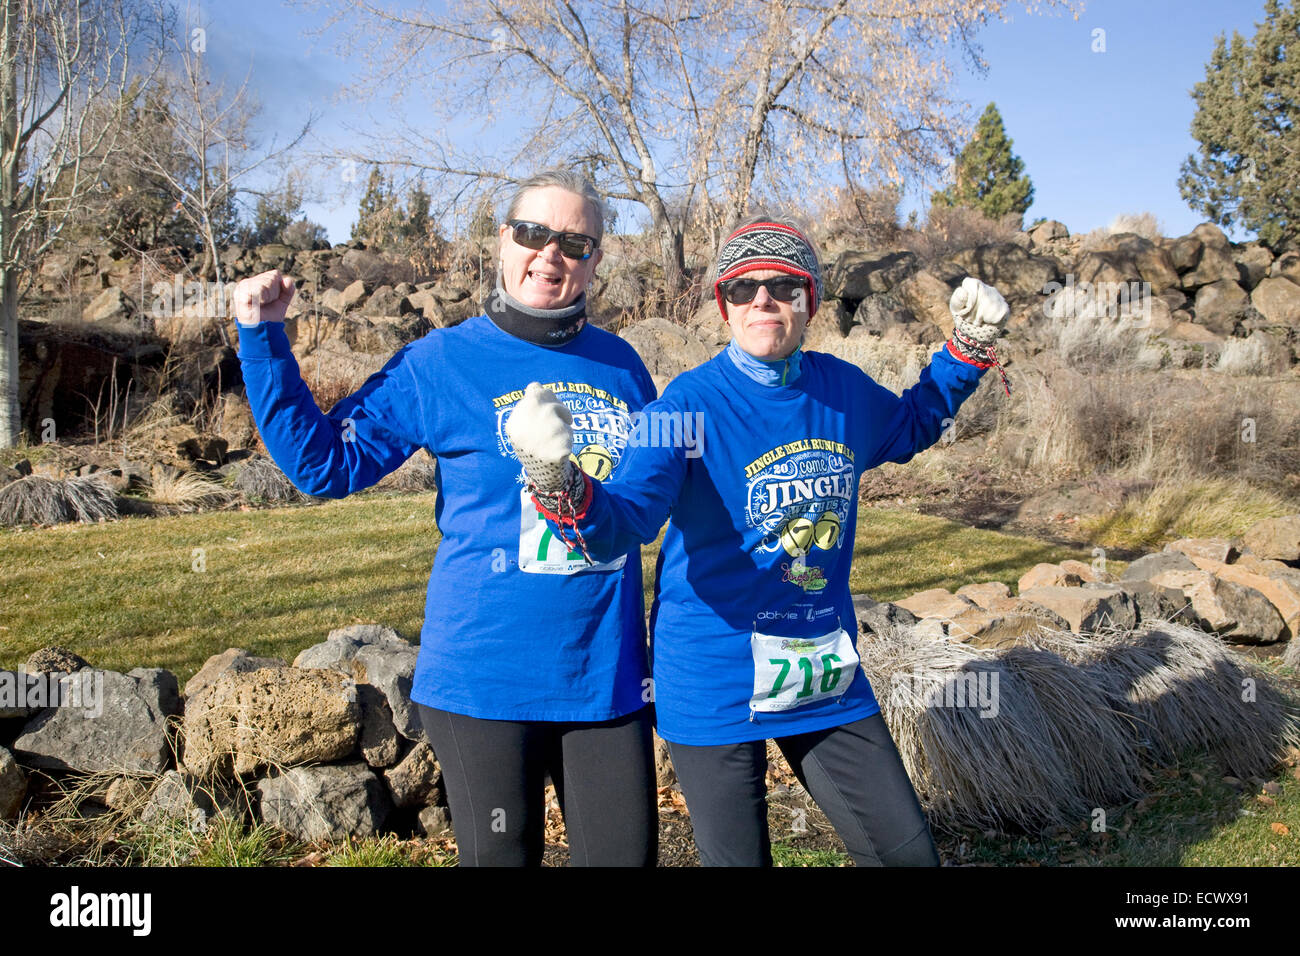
[533,235]
[780,288]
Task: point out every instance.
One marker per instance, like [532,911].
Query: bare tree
[211,127]
[59,59]
[680,104]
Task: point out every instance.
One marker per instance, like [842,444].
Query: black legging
[854,773]
[494,772]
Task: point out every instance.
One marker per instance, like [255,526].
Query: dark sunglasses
[533,235]
[780,288]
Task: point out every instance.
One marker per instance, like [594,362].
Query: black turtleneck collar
[549,327]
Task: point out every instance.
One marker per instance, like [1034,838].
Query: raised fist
[263,298]
[541,430]
[978,310]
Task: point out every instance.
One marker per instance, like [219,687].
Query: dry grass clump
[188,491]
[1098,342]
[262,478]
[1144,224]
[36,499]
[1075,719]
[974,765]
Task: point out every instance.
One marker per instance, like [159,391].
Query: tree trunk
[672,246]
[10,420]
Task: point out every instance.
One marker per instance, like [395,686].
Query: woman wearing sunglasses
[753,626]
[531,660]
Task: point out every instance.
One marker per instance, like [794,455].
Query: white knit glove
[541,430]
[978,311]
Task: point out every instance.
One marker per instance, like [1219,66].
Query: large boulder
[111,305]
[1220,306]
[856,275]
[1010,268]
[666,349]
[341,645]
[1149,565]
[1275,538]
[1235,612]
[926,296]
[1284,594]
[1253,262]
[1278,300]
[233,660]
[119,723]
[1086,608]
[274,716]
[325,803]
[1214,265]
[1047,231]
[935,603]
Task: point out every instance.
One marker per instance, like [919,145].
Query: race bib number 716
[792,672]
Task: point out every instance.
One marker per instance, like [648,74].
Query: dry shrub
[329,392]
[36,499]
[1102,343]
[1250,356]
[950,229]
[858,216]
[261,478]
[415,474]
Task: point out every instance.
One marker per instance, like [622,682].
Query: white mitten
[541,430]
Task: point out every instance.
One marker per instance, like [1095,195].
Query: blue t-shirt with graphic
[760,485]
[516,626]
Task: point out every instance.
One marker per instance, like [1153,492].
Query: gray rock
[1157,603]
[1215,265]
[415,781]
[667,349]
[111,305]
[22,694]
[1253,261]
[1149,565]
[13,786]
[380,743]
[127,735]
[435,822]
[54,658]
[179,797]
[1186,253]
[876,616]
[233,660]
[273,716]
[338,649]
[390,669]
[1047,231]
[330,802]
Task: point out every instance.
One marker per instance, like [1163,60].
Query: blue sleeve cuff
[264,340]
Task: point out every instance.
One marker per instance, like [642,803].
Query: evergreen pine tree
[990,178]
[1248,124]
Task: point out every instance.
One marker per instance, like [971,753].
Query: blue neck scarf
[781,372]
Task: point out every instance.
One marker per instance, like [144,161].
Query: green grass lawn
[170,592]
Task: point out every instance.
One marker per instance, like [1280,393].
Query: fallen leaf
[1281,829]
[1266,801]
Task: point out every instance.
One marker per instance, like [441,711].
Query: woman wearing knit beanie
[505,694]
[753,626]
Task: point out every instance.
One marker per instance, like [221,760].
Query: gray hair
[566,179]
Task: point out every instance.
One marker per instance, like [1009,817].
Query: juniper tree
[1248,124]
[989,177]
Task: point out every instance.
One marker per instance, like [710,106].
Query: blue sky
[1101,132]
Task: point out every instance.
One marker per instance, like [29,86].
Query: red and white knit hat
[768,245]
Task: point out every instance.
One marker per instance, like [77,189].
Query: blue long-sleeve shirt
[516,627]
[762,513]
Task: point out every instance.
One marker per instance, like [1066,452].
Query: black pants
[494,772]
[854,773]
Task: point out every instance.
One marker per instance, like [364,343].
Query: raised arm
[914,421]
[362,438]
[606,519]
